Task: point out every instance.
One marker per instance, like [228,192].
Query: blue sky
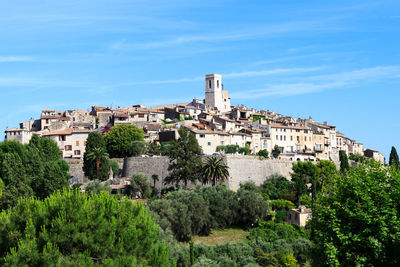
[337,61]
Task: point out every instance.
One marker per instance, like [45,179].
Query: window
[217,83]
[277,137]
[305,131]
[281,137]
[62,138]
[291,138]
[298,138]
[68,148]
[284,138]
[77,143]
[209,143]
[202,135]
[141,115]
[77,152]
[209,83]
[222,142]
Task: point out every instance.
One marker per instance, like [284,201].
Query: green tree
[119,139]
[357,223]
[276,151]
[154,148]
[263,153]
[35,169]
[98,155]
[214,170]
[303,173]
[326,174]
[358,158]
[140,184]
[94,141]
[48,149]
[138,148]
[394,158]
[253,208]
[244,150]
[276,186]
[344,161]
[96,186]
[75,229]
[185,160]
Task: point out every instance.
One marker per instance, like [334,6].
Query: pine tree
[394,158]
[185,160]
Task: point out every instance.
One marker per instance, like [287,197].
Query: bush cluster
[196,212]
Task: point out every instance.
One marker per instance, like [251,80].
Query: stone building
[299,216]
[71,142]
[20,135]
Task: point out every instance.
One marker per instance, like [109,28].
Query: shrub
[73,229]
[140,184]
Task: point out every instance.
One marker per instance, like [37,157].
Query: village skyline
[336,62]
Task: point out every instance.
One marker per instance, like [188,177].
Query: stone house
[71,142]
[299,216]
[20,135]
[374,154]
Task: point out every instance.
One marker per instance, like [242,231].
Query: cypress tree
[394,158]
[344,161]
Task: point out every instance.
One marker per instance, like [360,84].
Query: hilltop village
[213,120]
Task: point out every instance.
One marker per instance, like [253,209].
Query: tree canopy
[73,229]
[120,138]
[185,160]
[357,223]
[394,158]
[35,169]
[96,167]
[215,170]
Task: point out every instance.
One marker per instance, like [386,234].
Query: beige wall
[73,146]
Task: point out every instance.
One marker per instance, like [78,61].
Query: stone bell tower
[215,96]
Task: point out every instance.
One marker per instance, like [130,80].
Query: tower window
[217,83]
[209,83]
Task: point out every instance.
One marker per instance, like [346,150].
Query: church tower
[215,96]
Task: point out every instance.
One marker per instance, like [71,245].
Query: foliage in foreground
[35,169]
[71,229]
[358,224]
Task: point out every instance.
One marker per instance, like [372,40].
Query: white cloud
[264,31]
[231,75]
[6,59]
[324,82]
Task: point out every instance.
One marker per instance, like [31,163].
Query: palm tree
[98,154]
[214,170]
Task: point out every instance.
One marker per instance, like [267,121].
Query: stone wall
[249,168]
[75,169]
[241,169]
[148,166]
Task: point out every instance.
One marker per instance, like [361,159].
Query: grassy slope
[229,235]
